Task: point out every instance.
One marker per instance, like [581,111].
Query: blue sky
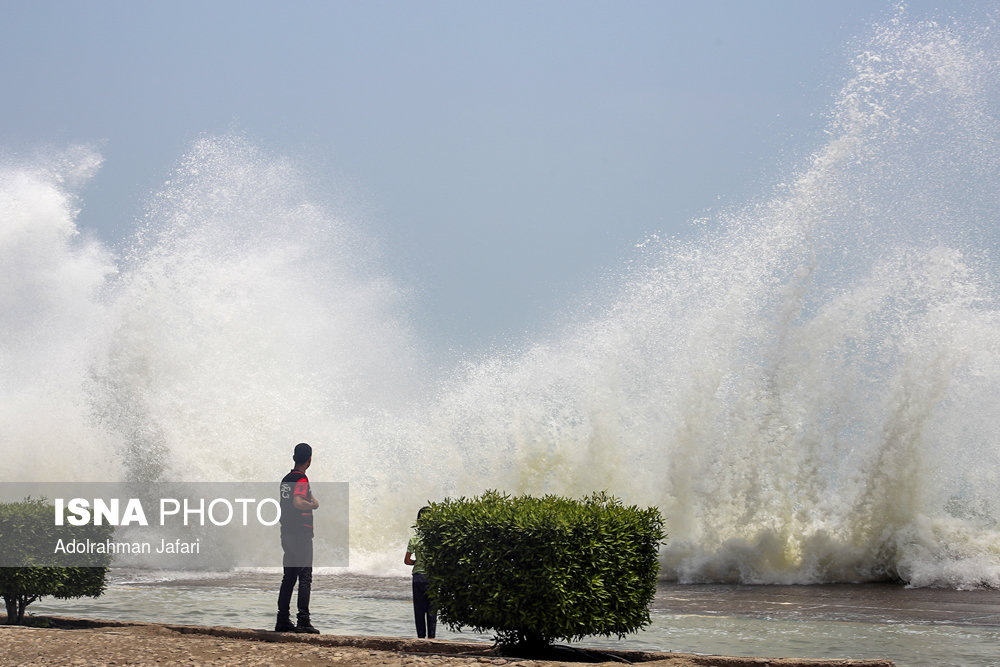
[506,155]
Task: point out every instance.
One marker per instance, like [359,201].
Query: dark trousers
[423,613]
[297,563]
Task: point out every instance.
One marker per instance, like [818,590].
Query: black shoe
[284,625]
[306,628]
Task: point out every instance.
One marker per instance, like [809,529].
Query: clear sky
[506,155]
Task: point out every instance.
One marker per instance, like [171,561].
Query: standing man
[297,505]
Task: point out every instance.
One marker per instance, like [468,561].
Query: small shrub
[538,569]
[24,526]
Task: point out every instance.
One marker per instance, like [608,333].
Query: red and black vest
[295,522]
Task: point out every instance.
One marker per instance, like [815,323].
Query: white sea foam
[807,389]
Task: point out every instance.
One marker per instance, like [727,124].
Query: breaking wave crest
[807,388]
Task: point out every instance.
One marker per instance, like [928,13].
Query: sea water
[805,385]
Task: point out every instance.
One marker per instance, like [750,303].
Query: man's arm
[302,503]
[302,497]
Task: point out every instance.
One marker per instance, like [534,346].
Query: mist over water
[806,387]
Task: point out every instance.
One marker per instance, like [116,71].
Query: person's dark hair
[302,453]
[421,511]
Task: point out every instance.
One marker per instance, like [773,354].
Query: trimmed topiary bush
[24,526]
[538,569]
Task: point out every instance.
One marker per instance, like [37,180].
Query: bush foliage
[538,569]
[24,526]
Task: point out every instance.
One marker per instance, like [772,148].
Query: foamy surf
[806,388]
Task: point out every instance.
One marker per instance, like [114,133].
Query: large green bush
[538,569]
[24,528]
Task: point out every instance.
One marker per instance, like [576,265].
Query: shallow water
[910,626]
